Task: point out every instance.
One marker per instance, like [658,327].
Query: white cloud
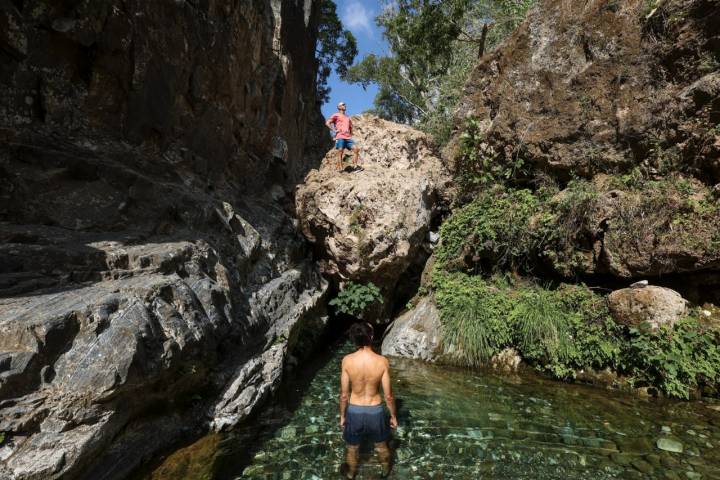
[358,18]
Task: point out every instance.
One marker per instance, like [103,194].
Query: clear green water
[460,424]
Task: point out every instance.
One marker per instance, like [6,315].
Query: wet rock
[416,333]
[670,445]
[371,225]
[655,306]
[507,361]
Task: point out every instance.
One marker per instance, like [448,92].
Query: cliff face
[610,108]
[600,87]
[152,282]
[226,86]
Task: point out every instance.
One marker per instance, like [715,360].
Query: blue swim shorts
[367,422]
[346,143]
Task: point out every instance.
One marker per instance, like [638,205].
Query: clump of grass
[542,326]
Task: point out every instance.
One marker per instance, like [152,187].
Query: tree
[433,45]
[335,47]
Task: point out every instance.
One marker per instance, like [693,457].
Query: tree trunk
[483,36]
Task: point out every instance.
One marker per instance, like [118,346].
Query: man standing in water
[342,124]
[362,375]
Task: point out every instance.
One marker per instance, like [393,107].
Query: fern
[355,298]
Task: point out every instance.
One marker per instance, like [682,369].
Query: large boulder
[372,224]
[651,305]
[416,333]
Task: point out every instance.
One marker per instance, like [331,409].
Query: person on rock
[342,125]
[362,416]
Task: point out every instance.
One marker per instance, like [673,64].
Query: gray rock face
[656,306]
[415,334]
[151,284]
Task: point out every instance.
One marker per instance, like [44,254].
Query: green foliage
[2,437]
[677,360]
[478,163]
[558,331]
[473,315]
[563,330]
[495,228]
[355,298]
[542,328]
[434,45]
[336,47]
[357,219]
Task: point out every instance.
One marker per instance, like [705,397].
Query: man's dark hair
[361,334]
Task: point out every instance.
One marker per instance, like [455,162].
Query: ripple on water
[460,424]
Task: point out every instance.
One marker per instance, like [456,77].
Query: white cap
[341,103]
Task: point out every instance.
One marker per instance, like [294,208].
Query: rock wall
[603,86]
[624,96]
[152,282]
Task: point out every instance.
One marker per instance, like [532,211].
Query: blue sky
[358,16]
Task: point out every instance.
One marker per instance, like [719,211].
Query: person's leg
[341,152]
[383,452]
[352,457]
[356,155]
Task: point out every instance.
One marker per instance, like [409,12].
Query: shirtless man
[363,372]
[342,124]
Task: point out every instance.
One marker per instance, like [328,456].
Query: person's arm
[331,122]
[387,391]
[344,392]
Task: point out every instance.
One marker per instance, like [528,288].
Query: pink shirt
[343,126]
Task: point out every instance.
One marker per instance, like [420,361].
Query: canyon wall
[152,281]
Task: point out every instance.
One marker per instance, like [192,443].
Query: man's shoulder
[382,359]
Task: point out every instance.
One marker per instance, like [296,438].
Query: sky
[358,16]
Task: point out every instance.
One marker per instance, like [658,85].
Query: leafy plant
[473,315]
[678,360]
[542,326]
[495,227]
[355,298]
[479,165]
[356,219]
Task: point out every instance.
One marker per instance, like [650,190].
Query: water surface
[462,424]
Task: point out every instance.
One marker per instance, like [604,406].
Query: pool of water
[462,424]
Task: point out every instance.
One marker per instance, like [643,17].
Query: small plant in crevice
[479,164]
[355,298]
[357,217]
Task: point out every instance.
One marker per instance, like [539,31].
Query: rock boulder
[656,306]
[416,333]
[372,224]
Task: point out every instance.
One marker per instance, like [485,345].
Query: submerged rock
[656,306]
[670,445]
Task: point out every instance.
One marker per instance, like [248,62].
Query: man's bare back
[366,371]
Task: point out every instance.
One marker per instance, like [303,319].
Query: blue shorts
[341,143]
[367,422]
